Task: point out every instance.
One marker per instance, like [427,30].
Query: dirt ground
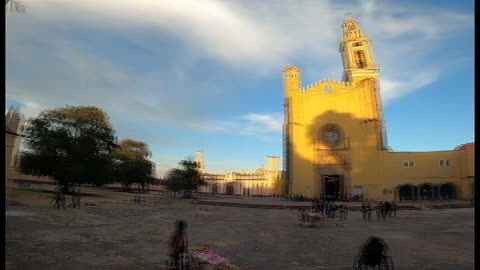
[118,234]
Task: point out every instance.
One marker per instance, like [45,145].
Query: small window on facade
[445,163]
[356,44]
[408,163]
[328,89]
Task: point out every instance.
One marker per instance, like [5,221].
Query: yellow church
[335,139]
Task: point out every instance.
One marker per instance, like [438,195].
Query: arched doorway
[426,192]
[229,189]
[447,191]
[332,185]
[406,192]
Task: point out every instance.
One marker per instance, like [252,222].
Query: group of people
[325,208]
[382,209]
[329,208]
[298,197]
[59,198]
[342,197]
[329,197]
[137,199]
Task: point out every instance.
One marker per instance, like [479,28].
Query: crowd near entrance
[426,191]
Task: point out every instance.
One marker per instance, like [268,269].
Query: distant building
[335,138]
[14,121]
[200,159]
[261,182]
[14,127]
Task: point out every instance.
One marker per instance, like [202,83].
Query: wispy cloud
[258,35]
[252,124]
[395,89]
[265,122]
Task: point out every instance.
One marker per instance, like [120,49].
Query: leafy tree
[72,145]
[131,164]
[186,178]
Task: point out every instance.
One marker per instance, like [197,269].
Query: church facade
[335,139]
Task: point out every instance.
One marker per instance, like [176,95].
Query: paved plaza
[122,235]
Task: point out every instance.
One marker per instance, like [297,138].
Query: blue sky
[184,75]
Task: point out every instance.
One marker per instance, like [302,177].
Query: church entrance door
[332,184]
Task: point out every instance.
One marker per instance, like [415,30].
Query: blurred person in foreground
[178,242]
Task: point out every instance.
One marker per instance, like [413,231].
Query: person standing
[379,210]
[388,208]
[57,198]
[345,206]
[334,208]
[178,242]
[73,202]
[329,209]
[369,212]
[364,211]
[382,209]
[394,209]
[77,198]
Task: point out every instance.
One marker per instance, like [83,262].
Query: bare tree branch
[16,6]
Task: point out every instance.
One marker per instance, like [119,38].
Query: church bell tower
[357,53]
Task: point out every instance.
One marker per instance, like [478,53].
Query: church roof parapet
[326,82]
